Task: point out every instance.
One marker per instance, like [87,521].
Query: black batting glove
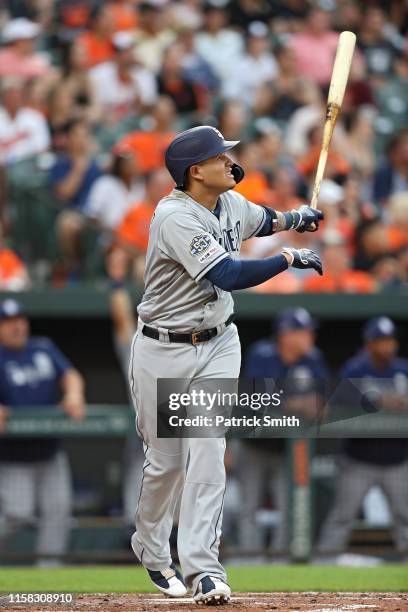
[304,259]
[306,219]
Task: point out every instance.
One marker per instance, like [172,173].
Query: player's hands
[73,404]
[303,259]
[306,218]
[4,412]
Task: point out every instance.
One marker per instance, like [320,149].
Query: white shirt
[22,136]
[117,96]
[109,200]
[221,51]
[248,74]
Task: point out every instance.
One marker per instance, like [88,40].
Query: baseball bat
[341,69]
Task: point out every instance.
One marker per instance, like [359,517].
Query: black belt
[194,338]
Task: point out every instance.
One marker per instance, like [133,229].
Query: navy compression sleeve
[230,274]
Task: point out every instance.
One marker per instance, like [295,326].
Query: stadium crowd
[92,93]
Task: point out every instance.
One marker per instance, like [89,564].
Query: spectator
[75,78]
[254,185]
[133,232]
[123,14]
[243,13]
[13,273]
[121,185]
[34,472]
[72,177]
[233,119]
[375,239]
[19,58]
[357,143]
[283,194]
[122,86]
[257,67]
[284,95]
[366,463]
[315,47]
[309,116]
[188,96]
[152,36]
[295,361]
[61,110]
[337,167]
[149,146]
[96,41]
[196,69]
[337,273]
[216,40]
[379,51]
[391,174]
[23,131]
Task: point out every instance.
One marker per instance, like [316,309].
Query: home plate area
[282,602]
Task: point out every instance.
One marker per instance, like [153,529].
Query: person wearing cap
[34,472]
[18,58]
[122,86]
[366,463]
[185,331]
[293,359]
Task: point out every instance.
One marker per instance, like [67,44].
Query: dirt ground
[279,602]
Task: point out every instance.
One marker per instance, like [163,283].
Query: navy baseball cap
[193,146]
[11,308]
[379,327]
[294,318]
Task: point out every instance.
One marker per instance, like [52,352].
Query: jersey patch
[214,249]
[199,244]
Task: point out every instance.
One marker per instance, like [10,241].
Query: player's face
[14,332]
[296,342]
[383,349]
[215,173]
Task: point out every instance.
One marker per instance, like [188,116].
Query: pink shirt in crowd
[314,55]
[13,64]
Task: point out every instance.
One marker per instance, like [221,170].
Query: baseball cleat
[169,581]
[212,591]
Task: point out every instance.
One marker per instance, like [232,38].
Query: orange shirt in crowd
[254,187]
[282,283]
[134,229]
[396,238]
[96,50]
[11,268]
[308,163]
[288,204]
[147,147]
[351,281]
[124,16]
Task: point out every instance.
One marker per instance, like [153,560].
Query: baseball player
[365,462]
[185,331]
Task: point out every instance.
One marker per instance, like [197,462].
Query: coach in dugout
[365,462]
[34,472]
[294,362]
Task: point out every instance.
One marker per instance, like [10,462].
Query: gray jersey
[186,240]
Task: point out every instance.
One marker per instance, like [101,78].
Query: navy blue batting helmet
[193,146]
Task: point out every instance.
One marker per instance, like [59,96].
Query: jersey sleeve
[61,363]
[185,239]
[253,218]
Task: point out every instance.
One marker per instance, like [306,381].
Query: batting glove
[304,259]
[306,219]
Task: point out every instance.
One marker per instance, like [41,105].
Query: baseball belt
[193,338]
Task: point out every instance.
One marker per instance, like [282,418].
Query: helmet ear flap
[237,172]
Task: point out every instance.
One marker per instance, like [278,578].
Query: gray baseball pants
[353,482]
[193,467]
[42,485]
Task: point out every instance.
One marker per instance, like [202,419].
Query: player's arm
[124,322]
[230,274]
[73,398]
[303,219]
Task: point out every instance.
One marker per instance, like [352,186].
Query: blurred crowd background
[91,93]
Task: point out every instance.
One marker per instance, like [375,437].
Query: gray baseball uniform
[186,241]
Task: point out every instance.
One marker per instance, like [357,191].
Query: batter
[185,330]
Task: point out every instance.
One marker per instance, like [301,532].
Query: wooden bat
[341,69]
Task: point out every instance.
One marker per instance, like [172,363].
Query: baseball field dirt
[282,602]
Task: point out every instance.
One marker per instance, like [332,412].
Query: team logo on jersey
[200,244]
